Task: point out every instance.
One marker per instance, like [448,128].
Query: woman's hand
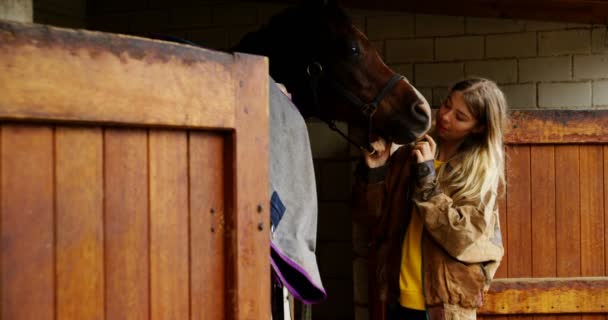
[378,158]
[424,150]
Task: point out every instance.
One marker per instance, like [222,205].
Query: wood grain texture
[518,206]
[557,126]
[544,251]
[207,225]
[605,210]
[592,214]
[49,73]
[79,203]
[247,227]
[126,224]
[169,236]
[26,223]
[568,215]
[568,210]
[547,296]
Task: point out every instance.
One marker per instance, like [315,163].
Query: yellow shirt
[410,275]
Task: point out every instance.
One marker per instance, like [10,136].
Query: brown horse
[334,73]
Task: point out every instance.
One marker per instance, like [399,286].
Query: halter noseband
[315,73]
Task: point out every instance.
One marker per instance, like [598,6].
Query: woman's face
[454,120]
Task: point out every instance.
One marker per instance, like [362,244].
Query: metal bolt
[261,226]
[212,210]
[260,208]
[212,229]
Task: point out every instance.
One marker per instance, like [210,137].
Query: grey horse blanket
[293,201]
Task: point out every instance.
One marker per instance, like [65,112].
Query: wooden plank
[592,210]
[207,230]
[79,203]
[568,210]
[544,248]
[592,214]
[26,223]
[547,296]
[518,206]
[557,126]
[169,251]
[567,193]
[605,209]
[49,73]
[503,270]
[126,224]
[248,229]
[544,252]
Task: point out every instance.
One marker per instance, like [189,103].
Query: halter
[315,73]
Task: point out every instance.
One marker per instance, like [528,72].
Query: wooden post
[17,10]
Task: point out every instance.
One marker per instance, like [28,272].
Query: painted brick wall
[537,64]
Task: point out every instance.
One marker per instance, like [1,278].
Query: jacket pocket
[465,283]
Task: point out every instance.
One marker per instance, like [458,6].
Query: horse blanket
[293,201]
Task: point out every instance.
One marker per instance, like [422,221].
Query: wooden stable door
[126,190]
[554,218]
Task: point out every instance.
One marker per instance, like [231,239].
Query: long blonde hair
[473,176]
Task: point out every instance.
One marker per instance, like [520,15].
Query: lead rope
[315,75]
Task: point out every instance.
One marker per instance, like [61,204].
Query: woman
[433,210]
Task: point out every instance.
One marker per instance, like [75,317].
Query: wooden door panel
[169,234]
[542,175]
[207,224]
[27,268]
[79,223]
[119,149]
[126,220]
[518,207]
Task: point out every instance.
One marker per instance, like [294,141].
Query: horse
[334,73]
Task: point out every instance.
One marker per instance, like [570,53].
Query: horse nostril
[421,112]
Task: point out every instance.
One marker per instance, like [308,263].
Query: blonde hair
[478,168]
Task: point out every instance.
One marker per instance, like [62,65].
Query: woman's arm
[461,229]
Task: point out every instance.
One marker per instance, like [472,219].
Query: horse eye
[354,50]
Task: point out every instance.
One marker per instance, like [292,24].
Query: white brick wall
[520,96]
[409,50]
[587,67]
[545,69]
[501,71]
[459,48]
[564,42]
[564,95]
[432,25]
[511,45]
[476,25]
[437,74]
[390,26]
[600,93]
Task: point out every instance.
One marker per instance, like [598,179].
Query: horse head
[333,72]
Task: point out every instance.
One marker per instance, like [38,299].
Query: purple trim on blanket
[300,270]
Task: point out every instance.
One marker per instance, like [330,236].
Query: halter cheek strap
[316,74]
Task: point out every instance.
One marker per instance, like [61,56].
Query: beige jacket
[461,245]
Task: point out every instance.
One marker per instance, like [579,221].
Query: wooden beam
[557,127]
[53,74]
[547,296]
[580,11]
